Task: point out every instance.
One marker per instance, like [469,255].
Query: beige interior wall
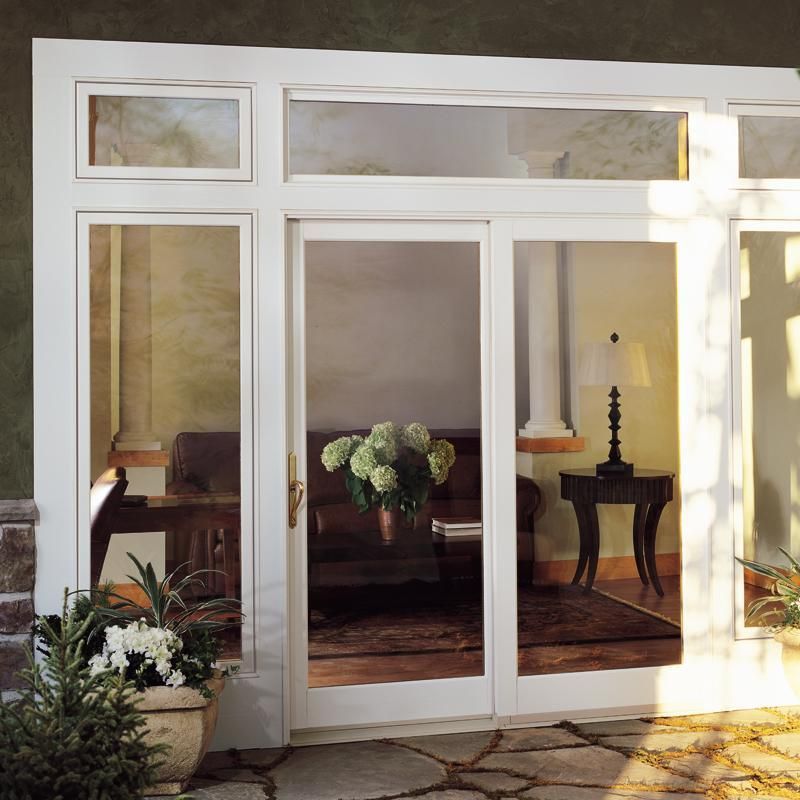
[195,318]
[628,288]
[393,333]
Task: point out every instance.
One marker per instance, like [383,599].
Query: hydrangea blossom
[384,438]
[158,646]
[383,478]
[364,461]
[337,452]
[415,436]
[441,457]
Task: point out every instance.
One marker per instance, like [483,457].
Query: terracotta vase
[390,522]
[185,720]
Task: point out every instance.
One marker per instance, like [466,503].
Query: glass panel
[382,344]
[163,132]
[769,147]
[480,142]
[165,402]
[770,364]
[586,544]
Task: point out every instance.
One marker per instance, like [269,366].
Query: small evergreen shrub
[72,735]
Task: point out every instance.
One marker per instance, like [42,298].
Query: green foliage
[72,735]
[785,590]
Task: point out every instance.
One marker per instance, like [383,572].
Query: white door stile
[502,484]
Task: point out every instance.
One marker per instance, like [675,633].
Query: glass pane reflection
[382,344]
[165,401]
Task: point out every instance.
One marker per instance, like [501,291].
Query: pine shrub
[72,735]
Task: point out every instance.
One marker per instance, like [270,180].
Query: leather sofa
[209,462]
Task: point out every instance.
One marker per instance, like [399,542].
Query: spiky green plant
[785,589]
[72,734]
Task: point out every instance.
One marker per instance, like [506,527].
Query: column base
[540,431]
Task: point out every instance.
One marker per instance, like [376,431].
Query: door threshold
[304,738]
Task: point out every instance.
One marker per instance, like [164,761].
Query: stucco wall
[714,31]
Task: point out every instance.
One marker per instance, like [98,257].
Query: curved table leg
[590,509]
[639,519]
[651,526]
[585,540]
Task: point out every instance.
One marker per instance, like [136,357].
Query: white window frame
[704,205]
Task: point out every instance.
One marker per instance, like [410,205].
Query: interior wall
[628,288]
[393,333]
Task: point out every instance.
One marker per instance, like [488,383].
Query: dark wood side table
[648,489]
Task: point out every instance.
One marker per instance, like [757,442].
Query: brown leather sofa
[209,462]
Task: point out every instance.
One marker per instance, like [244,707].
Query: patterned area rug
[418,618]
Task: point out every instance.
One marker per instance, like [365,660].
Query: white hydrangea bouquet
[392,467]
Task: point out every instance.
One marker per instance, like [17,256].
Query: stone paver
[788,743]
[755,716]
[665,742]
[695,765]
[226,791]
[353,772]
[450,794]
[537,739]
[493,781]
[622,727]
[261,759]
[765,762]
[576,793]
[491,764]
[593,766]
[457,747]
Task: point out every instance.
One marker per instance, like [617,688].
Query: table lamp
[614,364]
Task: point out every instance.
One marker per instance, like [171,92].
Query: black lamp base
[614,469]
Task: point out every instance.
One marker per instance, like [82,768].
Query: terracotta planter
[183,719]
[390,522]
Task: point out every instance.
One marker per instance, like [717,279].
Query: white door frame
[711,197]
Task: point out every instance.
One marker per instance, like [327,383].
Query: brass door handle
[296,492]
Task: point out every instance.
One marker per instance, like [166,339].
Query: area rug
[367,621]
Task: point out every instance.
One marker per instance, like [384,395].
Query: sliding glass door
[390,549]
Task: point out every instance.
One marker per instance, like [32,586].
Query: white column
[544,346]
[135,343]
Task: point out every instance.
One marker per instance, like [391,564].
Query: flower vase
[390,523]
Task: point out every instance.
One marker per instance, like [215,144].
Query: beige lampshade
[609,364]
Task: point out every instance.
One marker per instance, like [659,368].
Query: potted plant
[71,733]
[168,649]
[391,468]
[780,610]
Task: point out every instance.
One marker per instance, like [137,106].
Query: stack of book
[457,526]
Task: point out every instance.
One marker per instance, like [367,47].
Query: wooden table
[649,490]
[186,512]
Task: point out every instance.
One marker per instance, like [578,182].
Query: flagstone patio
[735,755]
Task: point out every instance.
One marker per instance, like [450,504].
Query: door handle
[297,491]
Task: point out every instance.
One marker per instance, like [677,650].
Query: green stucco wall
[699,31]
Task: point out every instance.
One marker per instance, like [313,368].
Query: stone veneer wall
[17,577]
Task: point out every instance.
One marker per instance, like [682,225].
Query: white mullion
[500,377]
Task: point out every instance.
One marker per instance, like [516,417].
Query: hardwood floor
[533,660]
